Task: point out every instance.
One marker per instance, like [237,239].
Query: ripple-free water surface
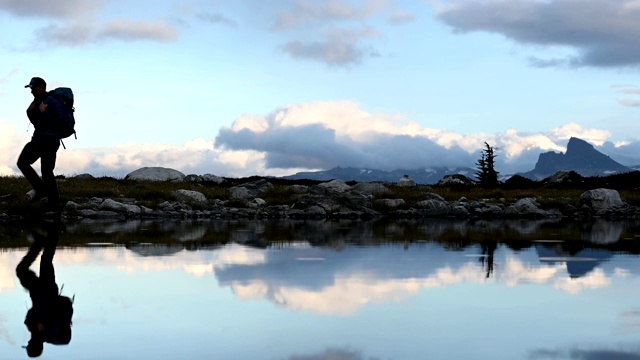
[278,291]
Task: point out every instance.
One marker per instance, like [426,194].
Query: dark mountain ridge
[421,176]
[581,157]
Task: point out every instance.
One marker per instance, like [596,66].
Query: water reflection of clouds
[8,262]
[331,354]
[336,282]
[582,354]
[350,292]
[593,280]
[517,272]
[4,333]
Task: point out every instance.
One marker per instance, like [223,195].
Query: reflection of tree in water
[488,249]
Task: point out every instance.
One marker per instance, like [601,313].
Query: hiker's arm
[34,114]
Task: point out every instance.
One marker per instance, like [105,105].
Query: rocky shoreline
[335,200]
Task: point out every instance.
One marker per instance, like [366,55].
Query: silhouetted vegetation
[487,174]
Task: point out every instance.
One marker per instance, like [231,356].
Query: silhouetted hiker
[44,112]
[49,319]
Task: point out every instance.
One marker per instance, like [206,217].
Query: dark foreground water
[332,290]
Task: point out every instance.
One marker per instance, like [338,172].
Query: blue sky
[248,87]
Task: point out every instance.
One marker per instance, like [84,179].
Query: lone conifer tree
[487,174]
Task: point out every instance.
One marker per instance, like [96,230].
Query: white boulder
[336,185]
[189,195]
[601,199]
[155,174]
[406,181]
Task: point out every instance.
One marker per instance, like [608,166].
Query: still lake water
[324,290]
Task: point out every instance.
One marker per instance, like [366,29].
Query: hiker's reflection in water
[49,319]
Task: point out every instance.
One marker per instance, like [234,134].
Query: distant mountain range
[580,157]
[420,176]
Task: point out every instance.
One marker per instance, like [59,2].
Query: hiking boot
[35,196]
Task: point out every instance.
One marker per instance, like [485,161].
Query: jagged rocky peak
[580,157]
[579,145]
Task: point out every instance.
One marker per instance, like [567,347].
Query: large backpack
[66,127]
[59,320]
[59,331]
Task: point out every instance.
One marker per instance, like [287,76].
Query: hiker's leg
[27,277]
[49,148]
[47,273]
[29,155]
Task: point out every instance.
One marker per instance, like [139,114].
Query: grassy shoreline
[13,189]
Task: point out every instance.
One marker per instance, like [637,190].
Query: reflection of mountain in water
[324,280]
[578,264]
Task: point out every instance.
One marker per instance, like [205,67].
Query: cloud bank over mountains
[319,136]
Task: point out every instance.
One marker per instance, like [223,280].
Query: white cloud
[304,11]
[71,34]
[343,134]
[216,18]
[602,33]
[11,145]
[628,90]
[338,47]
[128,30]
[594,136]
[401,17]
[630,103]
[81,33]
[319,136]
[334,32]
[59,9]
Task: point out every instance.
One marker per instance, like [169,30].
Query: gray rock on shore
[337,200]
[155,174]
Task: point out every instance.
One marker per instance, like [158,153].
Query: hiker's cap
[36,82]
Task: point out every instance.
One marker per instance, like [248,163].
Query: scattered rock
[193,178]
[406,181]
[84,176]
[212,179]
[528,207]
[455,180]
[371,188]
[259,202]
[336,185]
[434,207]
[111,205]
[189,195]
[155,174]
[601,199]
[242,193]
[391,203]
[337,200]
